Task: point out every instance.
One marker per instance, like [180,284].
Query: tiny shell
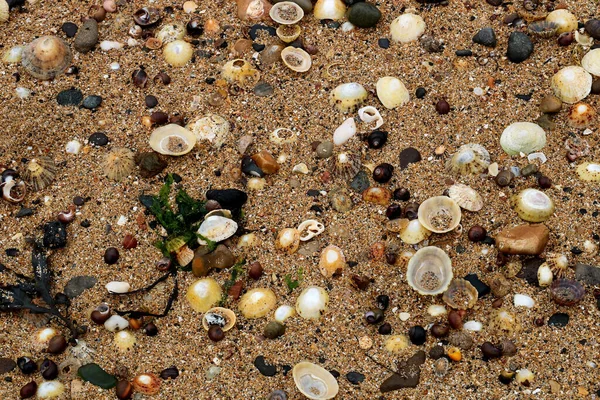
[344,132]
[286,12]
[240,71]
[332,261]
[407,28]
[581,115]
[391,92]
[313,381]
[591,62]
[40,172]
[522,137]
[439,214]
[124,340]
[396,343]
[288,33]
[46,57]
[13,55]
[370,114]
[470,158]
[171,32]
[522,300]
[533,205]
[466,197]
[223,317]
[429,271]
[313,228]
[172,140]
[460,295]
[178,53]
[566,292]
[412,232]
[213,128]
[284,312]
[148,384]
[348,96]
[119,163]
[296,59]
[203,294]
[50,389]
[216,229]
[329,9]
[117,287]
[571,84]
[589,171]
[566,21]
[545,275]
[312,302]
[288,240]
[504,323]
[473,326]
[436,310]
[107,45]
[345,165]
[377,195]
[283,136]
[524,377]
[116,323]
[257,303]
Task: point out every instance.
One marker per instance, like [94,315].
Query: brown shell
[345,165]
[543,29]
[566,292]
[147,383]
[40,172]
[119,163]
[460,295]
[46,57]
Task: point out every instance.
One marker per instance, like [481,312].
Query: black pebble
[482,288]
[69,28]
[85,223]
[408,156]
[263,367]
[355,377]
[520,47]
[335,373]
[485,37]
[70,97]
[24,212]
[384,43]
[255,29]
[313,193]
[558,319]
[55,235]
[91,102]
[229,199]
[420,92]
[464,53]
[26,365]
[525,97]
[151,101]
[437,352]
[417,335]
[97,139]
[258,46]
[12,252]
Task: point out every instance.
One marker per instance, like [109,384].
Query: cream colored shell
[178,53]
[571,84]
[288,33]
[533,205]
[522,137]
[212,127]
[240,71]
[216,228]
[407,28]
[466,197]
[296,59]
[312,302]
[429,271]
[348,96]
[589,171]
[257,303]
[4,11]
[591,62]
[329,9]
[566,21]
[204,294]
[391,92]
[439,214]
[314,382]
[46,57]
[286,12]
[172,140]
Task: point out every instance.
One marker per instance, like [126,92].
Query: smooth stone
[55,235]
[520,47]
[558,319]
[24,212]
[305,5]
[70,29]
[98,139]
[229,199]
[263,367]
[69,97]
[408,156]
[529,170]
[589,274]
[482,288]
[529,271]
[523,239]
[522,300]
[150,163]
[550,104]
[78,284]
[91,102]
[384,43]
[364,15]
[355,377]
[6,365]
[87,36]
[360,182]
[486,37]
[325,149]
[408,376]
[249,167]
[263,89]
[463,53]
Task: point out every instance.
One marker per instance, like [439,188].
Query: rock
[408,376]
[263,89]
[523,239]
[324,149]
[263,367]
[589,274]
[550,104]
[150,163]
[98,139]
[462,340]
[355,377]
[529,271]
[250,168]
[364,15]
[482,288]
[87,37]
[69,28]
[266,162]
[55,235]
[230,199]
[437,352]
[220,258]
[558,319]
[91,102]
[360,182]
[463,53]
[384,43]
[408,156]
[520,47]
[485,37]
[24,212]
[69,97]
[6,365]
[78,285]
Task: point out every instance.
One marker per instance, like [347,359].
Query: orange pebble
[454,354]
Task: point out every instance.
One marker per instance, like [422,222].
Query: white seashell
[248,240]
[436,310]
[73,147]
[107,45]
[314,382]
[286,13]
[329,9]
[470,158]
[524,377]
[566,21]
[116,323]
[591,62]
[404,316]
[522,137]
[522,300]
[256,183]
[583,39]
[313,228]
[571,84]
[347,26]
[493,169]
[284,312]
[283,136]
[474,326]
[344,132]
[13,55]
[429,271]
[407,28]
[439,214]
[118,287]
[213,128]
[172,139]
[545,275]
[589,171]
[348,96]
[217,229]
[466,197]
[370,114]
[312,302]
[537,156]
[533,205]
[300,169]
[296,59]
[391,92]
[414,232]
[23,92]
[50,389]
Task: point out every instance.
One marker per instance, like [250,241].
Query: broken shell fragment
[344,132]
[407,28]
[288,33]
[312,227]
[312,302]
[283,136]
[329,9]
[391,92]
[314,382]
[204,294]
[469,159]
[13,55]
[460,295]
[466,197]
[533,205]
[284,312]
[370,114]
[46,57]
[222,317]
[118,287]
[571,84]
[581,115]
[257,303]
[439,214]
[348,96]
[591,62]
[50,389]
[216,228]
[286,13]
[116,323]
[240,71]
[213,128]
[40,172]
[412,232]
[172,140]
[332,261]
[429,271]
[522,137]
[296,59]
[545,275]
[589,171]
[288,240]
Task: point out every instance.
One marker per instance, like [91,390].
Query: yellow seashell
[204,294]
[396,343]
[257,303]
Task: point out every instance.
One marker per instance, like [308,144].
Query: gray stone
[263,89]
[55,235]
[6,365]
[408,376]
[78,284]
[91,102]
[589,274]
[364,15]
[520,47]
[87,37]
[69,97]
[360,182]
[486,37]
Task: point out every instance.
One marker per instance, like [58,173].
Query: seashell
[248,240]
[288,33]
[13,55]
[284,312]
[329,9]
[107,45]
[312,302]
[283,136]
[473,326]
[13,191]
[345,165]
[466,197]
[117,287]
[172,140]
[522,300]
[499,285]
[147,16]
[344,132]
[589,171]
[171,32]
[50,389]
[252,9]
[544,275]
[504,323]
[543,29]
[407,28]
[216,229]
[42,338]
[313,381]
[257,303]
[40,172]
[148,384]
[377,195]
[4,11]
[566,292]
[119,163]
[429,271]
[583,40]
[296,59]
[532,205]
[441,367]
[591,62]
[565,20]
[240,71]
[213,128]
[370,114]
[592,28]
[286,13]
[581,115]
[46,57]
[177,53]
[203,294]
[332,261]
[347,97]
[469,159]
[313,228]
[288,240]
[116,323]
[396,343]
[460,295]
[184,255]
[571,84]
[522,137]
[391,92]
[439,214]
[124,340]
[412,232]
[524,377]
[222,317]
[436,310]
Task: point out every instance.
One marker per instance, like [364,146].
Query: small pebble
[91,102]
[355,377]
[98,139]
[70,97]
[520,47]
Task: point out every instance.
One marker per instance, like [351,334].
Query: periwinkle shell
[566,292]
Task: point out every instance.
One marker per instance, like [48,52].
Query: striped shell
[466,197]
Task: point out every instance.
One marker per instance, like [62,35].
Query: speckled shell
[429,260]
[177,53]
[532,205]
[466,197]
[581,115]
[543,29]
[460,295]
[46,57]
[469,159]
[345,165]
[522,137]
[296,59]
[286,12]
[591,62]
[566,292]
[257,303]
[124,340]
[213,128]
[407,28]
[240,71]
[439,207]
[228,316]
[312,302]
[40,172]
[571,84]
[172,140]
[347,97]
[589,171]
[314,382]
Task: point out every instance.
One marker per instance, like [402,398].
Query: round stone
[520,47]
[98,139]
[364,15]
[91,102]
[70,97]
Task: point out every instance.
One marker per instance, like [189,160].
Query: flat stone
[24,212]
[482,288]
[6,365]
[523,239]
[91,102]
[408,156]
[408,376]
[78,284]
[263,89]
[55,235]
[98,139]
[263,367]
[355,377]
[520,47]
[589,274]
[558,319]
[485,37]
[70,97]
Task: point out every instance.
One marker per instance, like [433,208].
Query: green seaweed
[293,284]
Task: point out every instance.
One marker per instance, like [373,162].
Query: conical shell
[469,159]
[572,84]
[217,229]
[460,295]
[591,62]
[223,317]
[589,171]
[296,59]
[172,140]
[412,232]
[314,382]
[429,271]
[345,165]
[329,9]
[348,96]
[46,57]
[119,163]
[391,92]
[286,13]
[257,303]
[522,137]
[466,197]
[533,205]
[40,172]
[407,28]
[439,214]
[312,302]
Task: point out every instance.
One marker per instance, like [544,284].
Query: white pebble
[116,323]
[284,312]
[122,220]
[115,66]
[588,131]
[478,91]
[404,316]
[347,26]
[107,45]
[118,287]
[493,169]
[474,326]
[522,300]
[73,147]
[435,310]
[22,92]
[300,169]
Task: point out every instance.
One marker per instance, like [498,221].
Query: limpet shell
[370,114]
[296,59]
[391,92]
[407,28]
[532,205]
[565,20]
[581,115]
[257,303]
[466,197]
[396,343]
[470,158]
[329,9]
[13,55]
[522,137]
[429,271]
[572,84]
[439,214]
[147,383]
[313,228]
[348,96]
[589,171]
[288,33]
[591,62]
[566,292]
[172,140]
[288,240]
[46,57]
[124,340]
[284,312]
[50,389]
[216,228]
[345,165]
[460,295]
[119,163]
[412,232]
[223,317]
[314,382]
[312,302]
[4,11]
[203,294]
[240,71]
[286,12]
[178,52]
[332,261]
[212,127]
[40,172]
